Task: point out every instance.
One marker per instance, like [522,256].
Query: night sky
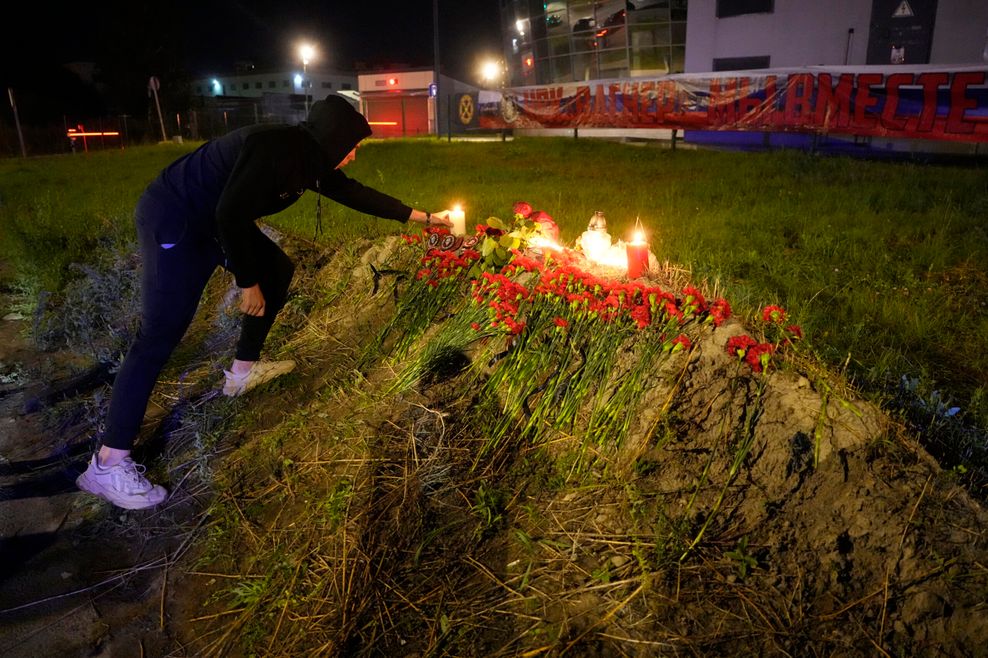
[129,41]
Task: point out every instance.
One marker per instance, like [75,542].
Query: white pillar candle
[459,220]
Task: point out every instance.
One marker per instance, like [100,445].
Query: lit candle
[637,255]
[459,220]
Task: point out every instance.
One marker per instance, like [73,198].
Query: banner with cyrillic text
[890,101]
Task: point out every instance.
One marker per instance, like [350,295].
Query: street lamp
[306,52]
[492,70]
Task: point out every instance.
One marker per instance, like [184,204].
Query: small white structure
[255,84]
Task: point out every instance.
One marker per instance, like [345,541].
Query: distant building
[725,35]
[255,84]
[572,40]
[402,103]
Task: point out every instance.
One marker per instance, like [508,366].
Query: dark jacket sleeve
[247,191]
[338,187]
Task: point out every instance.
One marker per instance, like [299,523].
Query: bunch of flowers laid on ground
[758,355]
[571,344]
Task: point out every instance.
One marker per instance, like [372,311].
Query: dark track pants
[172,283]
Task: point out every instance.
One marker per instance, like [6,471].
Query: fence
[209,118]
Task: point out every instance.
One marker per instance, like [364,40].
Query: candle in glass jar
[459,220]
[637,256]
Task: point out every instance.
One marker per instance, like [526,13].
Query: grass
[883,264]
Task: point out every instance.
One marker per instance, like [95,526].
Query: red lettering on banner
[599,104]
[890,119]
[774,110]
[667,93]
[582,103]
[613,92]
[931,83]
[959,101]
[799,100]
[629,100]
[833,103]
[864,100]
[721,110]
[746,100]
[646,98]
[939,104]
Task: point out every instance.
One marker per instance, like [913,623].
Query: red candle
[637,257]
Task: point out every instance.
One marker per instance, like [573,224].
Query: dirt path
[79,578]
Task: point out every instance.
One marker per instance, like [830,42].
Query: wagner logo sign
[466,109]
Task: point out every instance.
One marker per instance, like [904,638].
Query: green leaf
[494,222]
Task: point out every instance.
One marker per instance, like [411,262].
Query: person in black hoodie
[200,213]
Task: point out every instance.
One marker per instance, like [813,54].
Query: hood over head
[336,126]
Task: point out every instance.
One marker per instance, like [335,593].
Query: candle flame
[598,249]
[638,238]
[457,207]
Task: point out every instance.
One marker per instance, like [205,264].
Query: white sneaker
[122,484]
[259,373]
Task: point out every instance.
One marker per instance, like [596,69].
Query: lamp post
[306,52]
[492,71]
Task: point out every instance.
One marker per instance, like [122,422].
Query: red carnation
[739,345]
[561,322]
[774,314]
[681,342]
[523,208]
[759,355]
[720,310]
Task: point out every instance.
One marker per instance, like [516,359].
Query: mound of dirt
[745,514]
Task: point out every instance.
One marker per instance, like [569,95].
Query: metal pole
[305,87]
[17,121]
[161,120]
[435,55]
[848,45]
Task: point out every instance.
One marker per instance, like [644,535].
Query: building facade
[725,35]
[573,40]
[253,84]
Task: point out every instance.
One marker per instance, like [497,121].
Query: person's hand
[440,219]
[252,300]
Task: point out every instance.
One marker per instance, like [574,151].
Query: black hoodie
[230,182]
